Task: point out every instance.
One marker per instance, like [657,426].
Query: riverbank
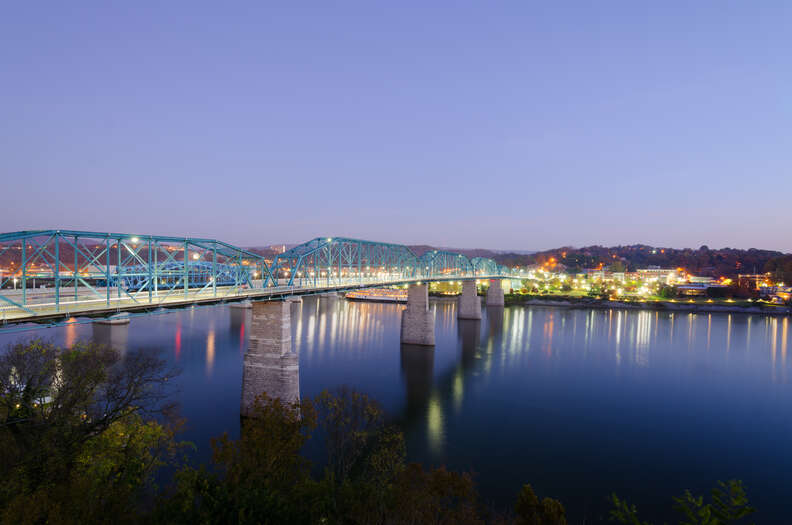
[664,306]
[566,301]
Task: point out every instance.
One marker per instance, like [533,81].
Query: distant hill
[420,249]
[702,261]
[727,262]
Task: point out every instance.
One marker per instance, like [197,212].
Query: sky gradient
[503,125]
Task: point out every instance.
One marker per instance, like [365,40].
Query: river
[579,403]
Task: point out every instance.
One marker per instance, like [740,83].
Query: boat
[378,295]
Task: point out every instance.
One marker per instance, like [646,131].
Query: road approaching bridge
[53,275]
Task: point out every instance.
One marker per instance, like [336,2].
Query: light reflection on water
[579,403]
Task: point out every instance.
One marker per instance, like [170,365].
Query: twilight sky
[505,125]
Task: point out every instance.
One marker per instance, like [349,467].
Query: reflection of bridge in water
[328,324]
[271,365]
[426,394]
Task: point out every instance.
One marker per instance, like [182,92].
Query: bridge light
[196,256]
[134,240]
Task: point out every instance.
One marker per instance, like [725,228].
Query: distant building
[704,280]
[782,294]
[666,275]
[693,289]
[753,281]
[596,273]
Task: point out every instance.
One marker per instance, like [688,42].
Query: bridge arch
[331,260]
[444,264]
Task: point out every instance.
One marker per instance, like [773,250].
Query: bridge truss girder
[96,271]
[105,268]
[332,260]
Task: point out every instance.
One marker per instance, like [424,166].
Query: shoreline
[659,306]
[606,304]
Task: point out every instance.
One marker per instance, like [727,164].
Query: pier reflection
[469,334]
[417,370]
[113,335]
[495,325]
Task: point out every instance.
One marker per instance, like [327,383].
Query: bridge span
[50,276]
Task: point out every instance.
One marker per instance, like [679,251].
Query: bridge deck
[41,307]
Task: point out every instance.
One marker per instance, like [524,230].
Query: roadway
[40,304]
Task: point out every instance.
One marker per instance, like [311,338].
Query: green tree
[259,478]
[264,478]
[74,442]
[617,266]
[530,511]
[728,505]
[781,269]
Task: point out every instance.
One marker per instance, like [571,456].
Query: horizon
[258,244]
[527,251]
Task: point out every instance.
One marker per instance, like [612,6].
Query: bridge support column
[469,304]
[495,293]
[270,366]
[417,324]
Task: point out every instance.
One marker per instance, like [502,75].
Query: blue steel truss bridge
[52,275]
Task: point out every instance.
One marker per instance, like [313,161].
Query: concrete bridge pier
[495,293]
[417,323]
[469,304]
[270,366]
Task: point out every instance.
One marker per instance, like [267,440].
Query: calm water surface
[579,403]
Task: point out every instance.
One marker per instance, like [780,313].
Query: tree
[781,268]
[74,442]
[259,478]
[530,511]
[617,266]
[729,505]
[264,478]
[437,496]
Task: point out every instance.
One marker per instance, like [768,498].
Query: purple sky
[468,124]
